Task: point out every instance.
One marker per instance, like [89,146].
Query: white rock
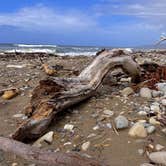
[146,164]
[48,137]
[96,127]
[109,125]
[158,157]
[142,113]
[163,102]
[69,127]
[141,151]
[121,122]
[155,108]
[146,93]
[85,146]
[138,130]
[156,93]
[150,129]
[108,112]
[159,147]
[153,121]
[127,91]
[18,115]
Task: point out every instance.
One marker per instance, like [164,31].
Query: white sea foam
[32,46]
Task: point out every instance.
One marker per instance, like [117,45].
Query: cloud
[41,17]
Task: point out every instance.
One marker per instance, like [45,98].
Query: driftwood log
[53,95]
[45,157]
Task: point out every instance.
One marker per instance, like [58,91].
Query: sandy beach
[93,120]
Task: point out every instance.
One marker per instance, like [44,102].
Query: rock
[156,93]
[138,130]
[159,147]
[69,127]
[141,151]
[153,121]
[146,93]
[146,164]
[96,127]
[161,87]
[108,113]
[121,122]
[142,113]
[164,131]
[14,164]
[150,129]
[9,94]
[127,91]
[109,125]
[163,102]
[20,116]
[155,108]
[48,137]
[85,146]
[158,157]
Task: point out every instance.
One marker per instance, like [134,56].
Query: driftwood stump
[53,95]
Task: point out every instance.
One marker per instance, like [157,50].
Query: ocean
[52,49]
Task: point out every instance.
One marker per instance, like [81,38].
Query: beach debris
[146,93]
[48,69]
[121,122]
[138,130]
[158,157]
[46,157]
[85,146]
[48,137]
[53,94]
[9,94]
[69,127]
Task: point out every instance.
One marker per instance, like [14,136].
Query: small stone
[146,164]
[14,164]
[142,113]
[156,93]
[121,122]
[9,94]
[141,151]
[146,93]
[69,127]
[164,130]
[109,125]
[32,165]
[150,129]
[155,108]
[108,112]
[161,87]
[163,102]
[153,121]
[138,130]
[96,127]
[48,137]
[85,146]
[159,147]
[18,115]
[127,91]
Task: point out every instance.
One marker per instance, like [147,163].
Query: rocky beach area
[123,124]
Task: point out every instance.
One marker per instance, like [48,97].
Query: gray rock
[146,93]
[158,157]
[150,129]
[121,122]
[157,93]
[161,87]
[163,102]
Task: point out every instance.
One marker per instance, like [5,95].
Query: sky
[119,23]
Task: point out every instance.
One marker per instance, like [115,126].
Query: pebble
[141,151]
[127,91]
[121,122]
[109,125]
[153,121]
[48,137]
[146,164]
[138,130]
[69,127]
[161,87]
[108,112]
[85,146]
[155,108]
[142,113]
[96,127]
[14,164]
[158,157]
[156,93]
[151,129]
[146,93]
[163,102]
[159,147]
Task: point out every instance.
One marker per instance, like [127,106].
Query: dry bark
[53,95]
[45,157]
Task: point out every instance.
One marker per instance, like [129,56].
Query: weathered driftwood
[53,95]
[45,157]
